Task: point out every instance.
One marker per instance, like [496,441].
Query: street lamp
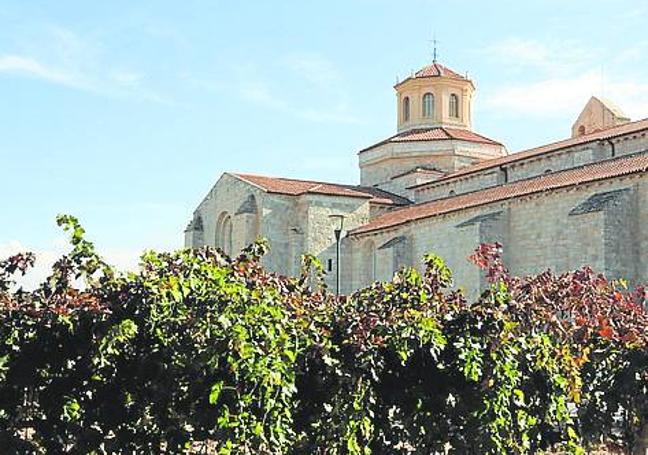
[338,241]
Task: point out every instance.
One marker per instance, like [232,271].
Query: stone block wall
[603,225]
[472,182]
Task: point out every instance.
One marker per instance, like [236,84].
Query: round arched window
[428,105]
[454,106]
[406,109]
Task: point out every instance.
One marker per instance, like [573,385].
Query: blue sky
[125,113]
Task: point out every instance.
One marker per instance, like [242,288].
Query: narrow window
[329,265]
[454,106]
[428,105]
[406,109]
[224,233]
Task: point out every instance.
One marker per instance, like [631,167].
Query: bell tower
[434,96]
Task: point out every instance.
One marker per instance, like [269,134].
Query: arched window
[406,109]
[548,171]
[454,106]
[451,193]
[581,130]
[428,105]
[224,233]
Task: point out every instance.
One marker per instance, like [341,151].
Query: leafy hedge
[201,352]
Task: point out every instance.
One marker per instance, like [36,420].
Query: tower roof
[434,70]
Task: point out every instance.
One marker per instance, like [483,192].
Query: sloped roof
[439,133]
[613,107]
[295,187]
[589,173]
[434,70]
[626,128]
[420,170]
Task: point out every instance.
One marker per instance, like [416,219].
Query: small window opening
[406,109]
[329,265]
[454,106]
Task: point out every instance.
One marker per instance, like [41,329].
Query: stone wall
[603,225]
[534,166]
[379,164]
[319,228]
[473,182]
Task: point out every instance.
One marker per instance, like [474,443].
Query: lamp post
[338,241]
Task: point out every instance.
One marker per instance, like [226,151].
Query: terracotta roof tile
[295,187]
[420,170]
[435,134]
[434,70]
[589,173]
[555,146]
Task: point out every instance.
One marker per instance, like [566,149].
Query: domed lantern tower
[434,133]
[434,96]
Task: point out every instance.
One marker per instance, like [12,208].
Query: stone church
[438,186]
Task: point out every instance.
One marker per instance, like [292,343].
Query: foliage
[197,351]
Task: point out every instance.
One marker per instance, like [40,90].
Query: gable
[597,115]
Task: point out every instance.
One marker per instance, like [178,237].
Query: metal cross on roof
[434,42]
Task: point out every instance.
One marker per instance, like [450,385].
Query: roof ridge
[403,135]
[290,179]
[519,188]
[298,187]
[550,147]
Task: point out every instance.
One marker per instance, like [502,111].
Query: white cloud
[549,57]
[30,67]
[61,57]
[562,76]
[557,96]
[260,94]
[321,79]
[122,259]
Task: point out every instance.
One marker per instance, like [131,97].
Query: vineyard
[197,352]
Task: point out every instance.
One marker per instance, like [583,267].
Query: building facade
[438,186]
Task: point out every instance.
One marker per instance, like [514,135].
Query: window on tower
[454,106]
[428,105]
[406,109]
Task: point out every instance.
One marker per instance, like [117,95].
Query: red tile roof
[589,173]
[294,187]
[420,170]
[434,70]
[609,133]
[435,134]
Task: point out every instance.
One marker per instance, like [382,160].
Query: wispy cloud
[63,58]
[30,67]
[260,94]
[550,57]
[561,77]
[317,89]
[304,86]
[557,96]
